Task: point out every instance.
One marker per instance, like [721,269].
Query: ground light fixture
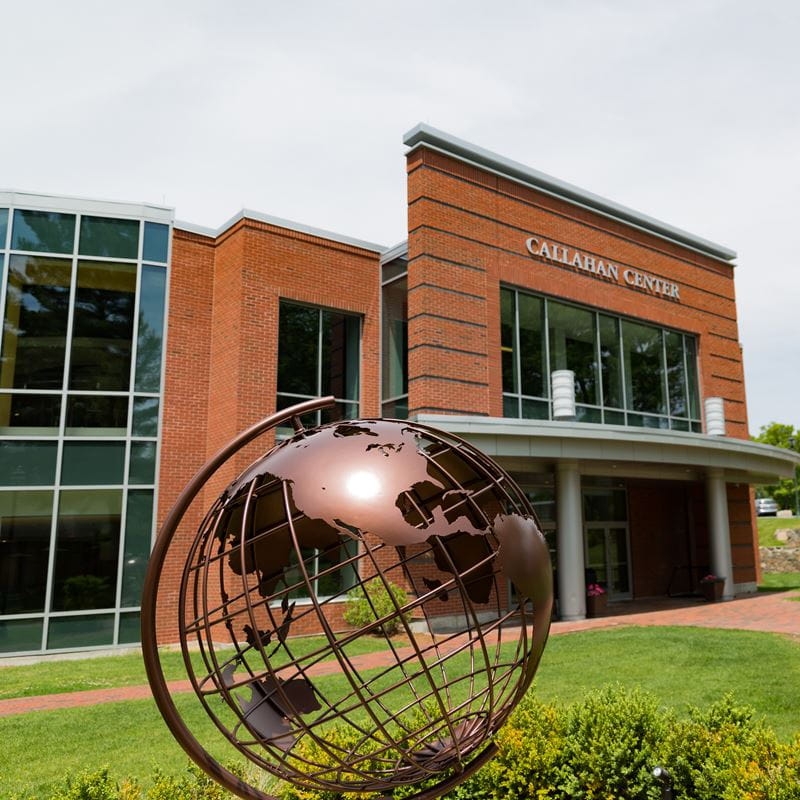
[346,512]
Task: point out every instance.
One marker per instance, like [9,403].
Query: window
[43,232]
[35,329]
[102,330]
[524,355]
[394,344]
[318,355]
[626,372]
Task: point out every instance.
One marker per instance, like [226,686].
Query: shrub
[606,746]
[723,754]
[611,741]
[191,784]
[97,785]
[360,611]
[601,748]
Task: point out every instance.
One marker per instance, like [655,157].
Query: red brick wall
[185,399]
[467,231]
[221,359]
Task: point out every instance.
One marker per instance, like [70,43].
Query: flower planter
[712,590]
[596,605]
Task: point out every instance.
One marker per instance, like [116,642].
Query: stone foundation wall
[780,559]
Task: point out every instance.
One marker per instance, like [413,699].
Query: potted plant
[711,586]
[596,600]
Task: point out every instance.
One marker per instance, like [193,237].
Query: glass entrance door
[607,555]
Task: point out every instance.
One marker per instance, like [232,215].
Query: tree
[787,437]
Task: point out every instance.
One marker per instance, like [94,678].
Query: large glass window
[524,355]
[29,414]
[81,353]
[643,357]
[25,521]
[113,238]
[102,329]
[626,372]
[394,338]
[156,242]
[27,463]
[35,323]
[87,550]
[96,415]
[43,232]
[150,339]
[318,354]
[573,345]
[138,532]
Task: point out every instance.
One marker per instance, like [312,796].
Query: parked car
[766,507]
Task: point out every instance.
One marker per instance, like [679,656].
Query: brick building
[135,346]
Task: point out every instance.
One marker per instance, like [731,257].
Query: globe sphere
[421,562]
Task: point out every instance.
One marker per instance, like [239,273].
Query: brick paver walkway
[772,612]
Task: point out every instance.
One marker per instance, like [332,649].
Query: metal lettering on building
[597,268]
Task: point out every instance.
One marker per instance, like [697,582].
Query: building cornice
[423,135]
[86,205]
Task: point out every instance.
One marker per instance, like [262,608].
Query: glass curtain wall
[626,372]
[83,301]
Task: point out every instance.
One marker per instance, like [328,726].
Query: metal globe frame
[443,750]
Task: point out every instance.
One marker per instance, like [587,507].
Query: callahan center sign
[598,268]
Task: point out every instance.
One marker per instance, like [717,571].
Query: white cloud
[684,110]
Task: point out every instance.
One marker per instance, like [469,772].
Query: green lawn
[51,677]
[768,525]
[678,665]
[771,581]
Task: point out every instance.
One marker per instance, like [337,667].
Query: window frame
[301,397]
[664,421]
[393,400]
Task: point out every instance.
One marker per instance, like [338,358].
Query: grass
[768,525]
[103,672]
[678,665]
[772,581]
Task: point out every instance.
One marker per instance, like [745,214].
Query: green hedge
[601,748]
[606,746]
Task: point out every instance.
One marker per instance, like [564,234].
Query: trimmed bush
[601,748]
[360,611]
[606,746]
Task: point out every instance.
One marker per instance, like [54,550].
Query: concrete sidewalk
[773,612]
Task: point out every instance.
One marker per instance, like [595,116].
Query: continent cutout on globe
[374,477]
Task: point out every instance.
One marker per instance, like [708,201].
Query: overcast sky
[686,111]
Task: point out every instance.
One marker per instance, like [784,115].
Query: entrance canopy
[620,449]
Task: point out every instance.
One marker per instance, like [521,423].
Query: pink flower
[594,589]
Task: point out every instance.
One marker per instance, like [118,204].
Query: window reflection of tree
[103,327]
[43,231]
[148,358]
[35,323]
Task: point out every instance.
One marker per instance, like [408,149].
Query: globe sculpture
[336,514]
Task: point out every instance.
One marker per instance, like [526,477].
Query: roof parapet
[426,135]
[279,222]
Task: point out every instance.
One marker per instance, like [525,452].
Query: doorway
[607,558]
[606,541]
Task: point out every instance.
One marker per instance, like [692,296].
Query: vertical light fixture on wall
[563,382]
[715,416]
